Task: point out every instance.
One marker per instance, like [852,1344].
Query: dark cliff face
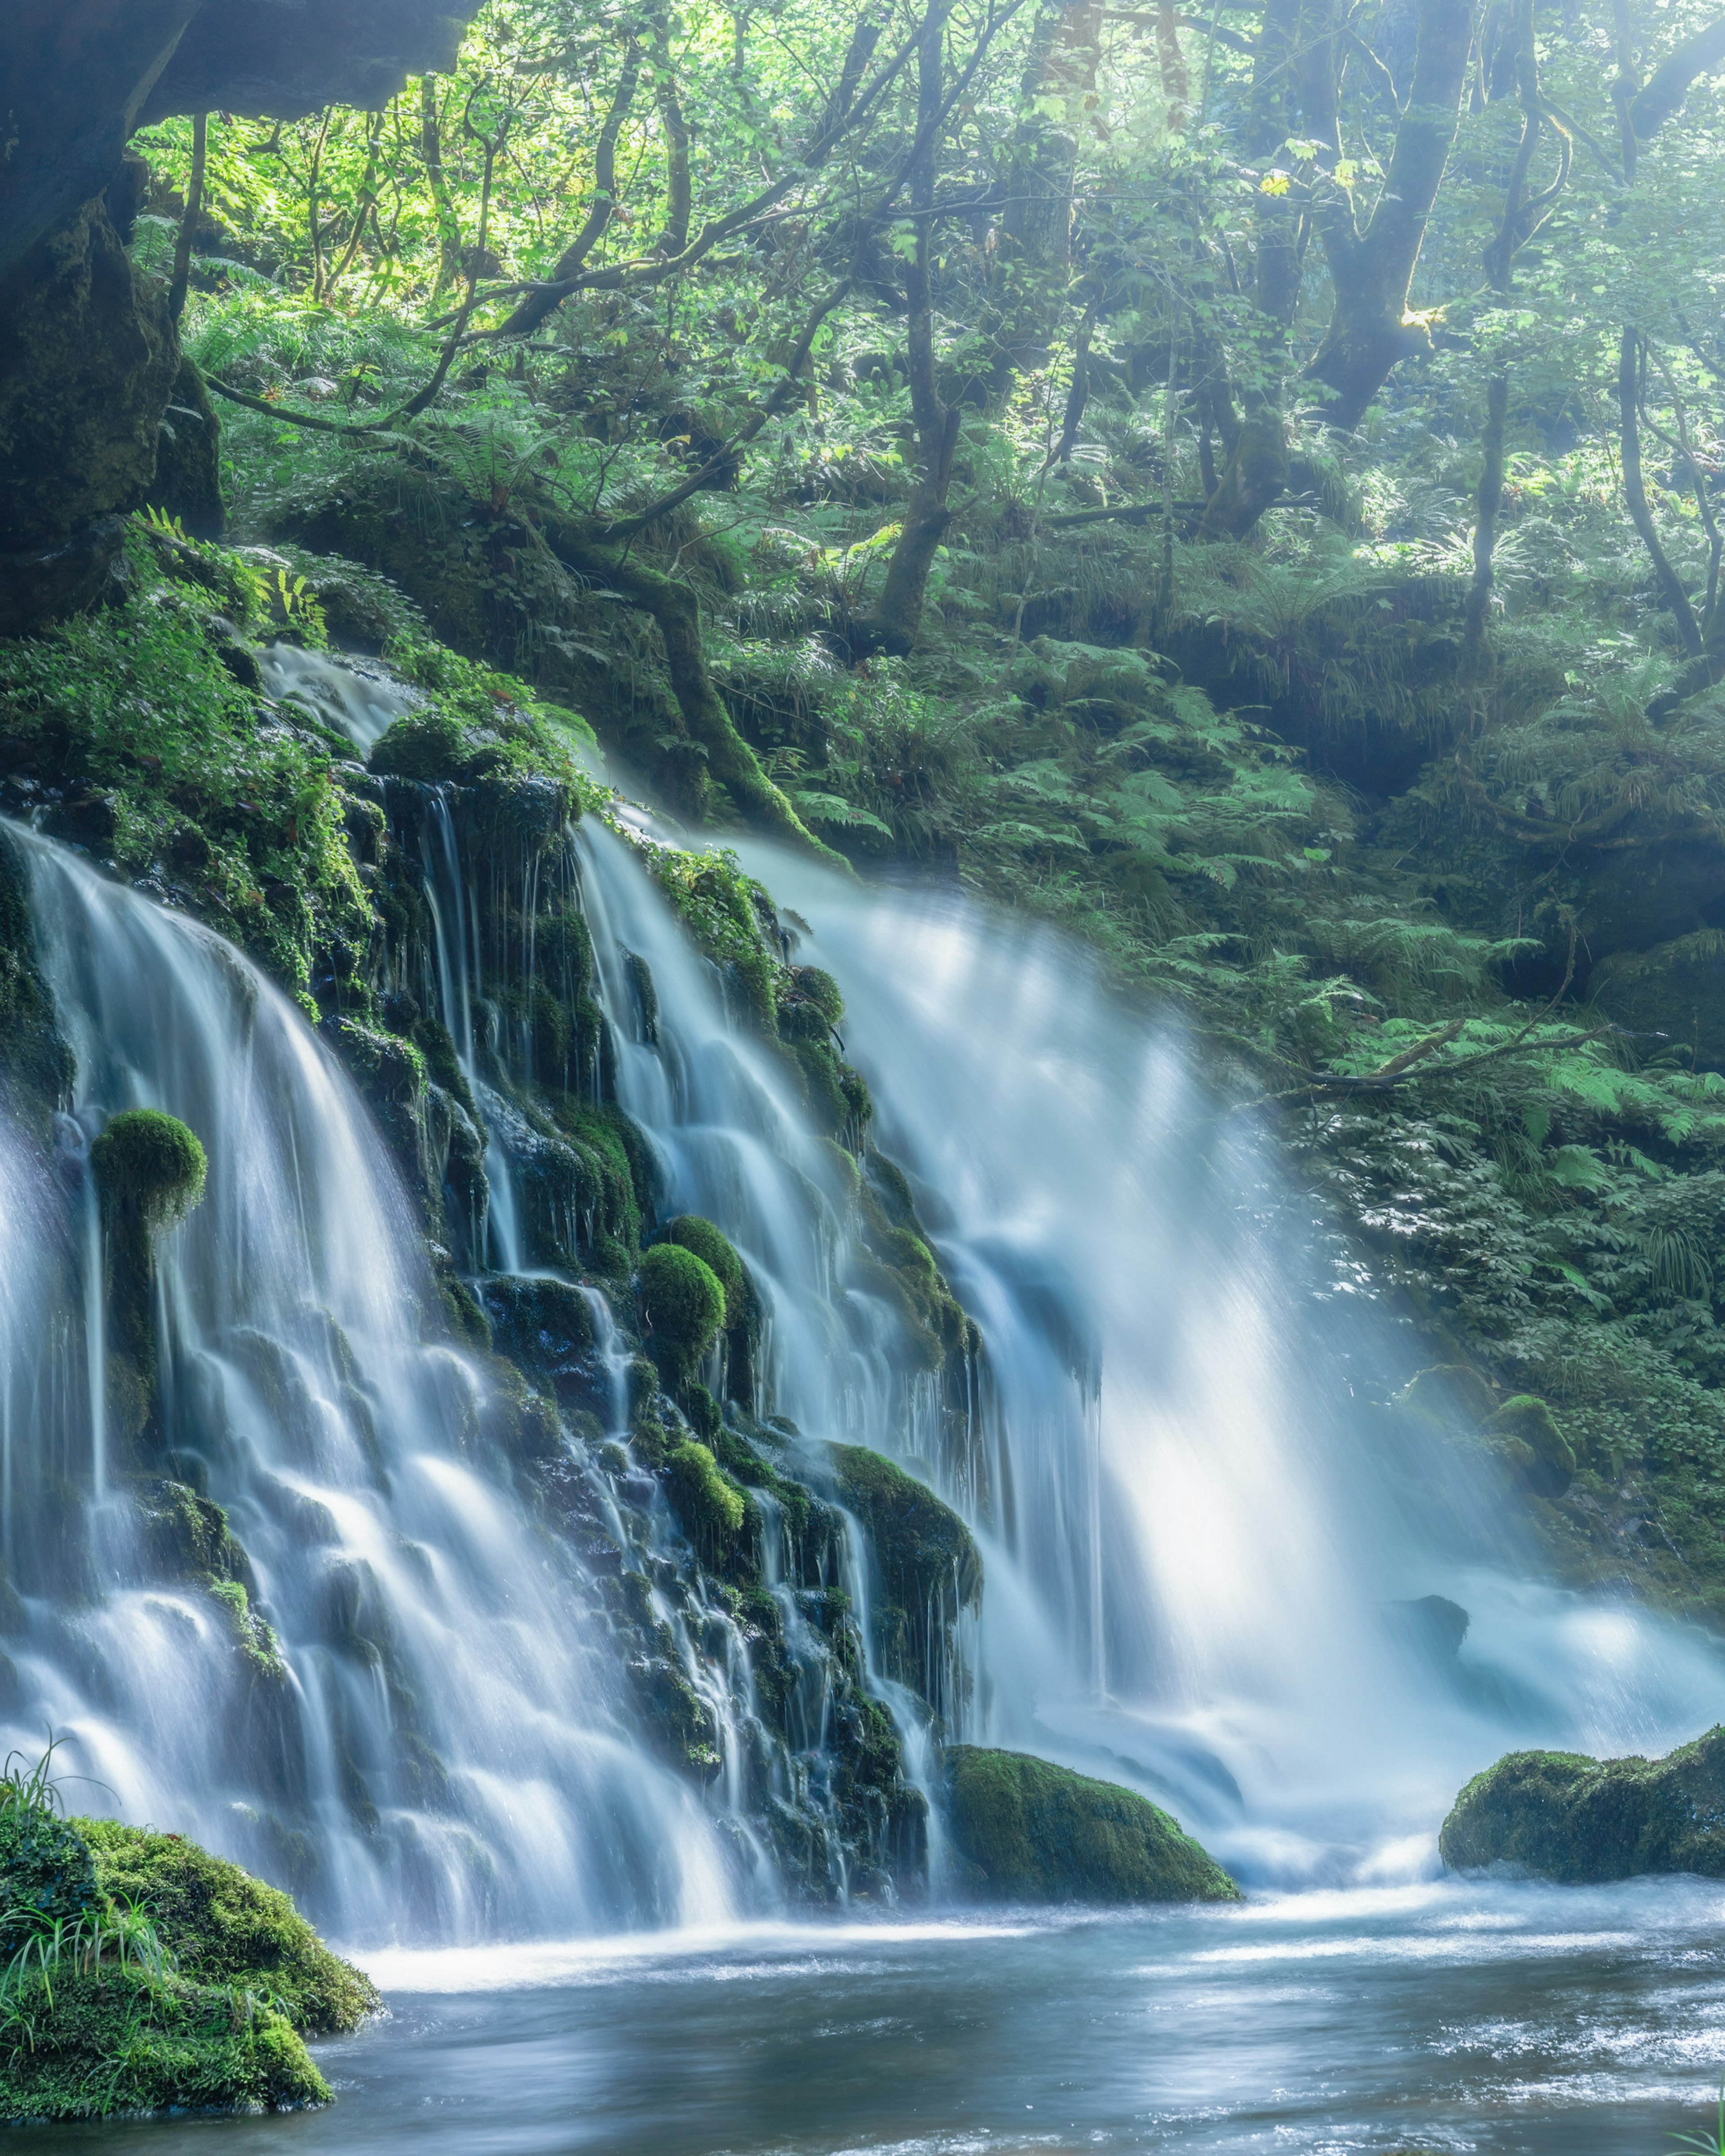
[89,357]
[79,76]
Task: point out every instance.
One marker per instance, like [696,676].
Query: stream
[1500,2019]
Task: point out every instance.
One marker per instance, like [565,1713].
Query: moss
[150,1171]
[1582,1820]
[226,1927]
[1527,1434]
[920,1545]
[149,1166]
[1033,1832]
[713,1248]
[47,1873]
[682,1303]
[254,1636]
[711,1506]
[116,2040]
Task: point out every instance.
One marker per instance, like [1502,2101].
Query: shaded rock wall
[89,357]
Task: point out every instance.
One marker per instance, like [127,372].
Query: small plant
[1710,2143]
[24,1787]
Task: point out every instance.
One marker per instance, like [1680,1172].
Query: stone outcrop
[80,75]
[1026,1831]
[1579,1820]
[90,360]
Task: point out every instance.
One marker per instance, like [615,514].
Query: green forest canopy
[1241,483]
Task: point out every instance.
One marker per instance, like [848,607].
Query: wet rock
[1564,1816]
[1030,1831]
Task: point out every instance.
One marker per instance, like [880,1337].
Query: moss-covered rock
[1677,989]
[1577,1819]
[149,1167]
[112,2041]
[709,1506]
[920,1545]
[1033,1832]
[1525,1433]
[223,1926]
[48,1874]
[157,1976]
[149,1171]
[713,1248]
[682,1302]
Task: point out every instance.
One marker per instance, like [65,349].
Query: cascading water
[439,1741]
[1207,1531]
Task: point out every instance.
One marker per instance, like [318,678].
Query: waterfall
[1202,1519]
[1210,1534]
[434,1737]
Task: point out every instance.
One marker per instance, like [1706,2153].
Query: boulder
[1566,1817]
[1028,1831]
[1677,989]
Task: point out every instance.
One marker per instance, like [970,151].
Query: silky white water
[1201,1522]
[308,1386]
[1200,1519]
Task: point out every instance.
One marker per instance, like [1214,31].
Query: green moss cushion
[1035,1832]
[121,2041]
[1578,1819]
[223,1926]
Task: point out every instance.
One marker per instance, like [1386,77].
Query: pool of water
[1453,2016]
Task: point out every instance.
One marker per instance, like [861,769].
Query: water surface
[1448,2017]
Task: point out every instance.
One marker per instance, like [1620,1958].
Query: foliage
[224,1928]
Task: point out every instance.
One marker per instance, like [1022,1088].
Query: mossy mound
[920,1543]
[711,1506]
[146,1974]
[116,2040]
[1033,1832]
[150,1166]
[713,1248]
[682,1302]
[1581,1820]
[46,1872]
[225,1928]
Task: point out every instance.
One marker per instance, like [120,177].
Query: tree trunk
[1371,329]
[1485,528]
[892,628]
[676,611]
[1670,584]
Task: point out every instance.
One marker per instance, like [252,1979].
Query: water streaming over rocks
[454,1657]
[424,1727]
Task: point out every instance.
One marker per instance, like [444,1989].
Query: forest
[1235,497]
[1243,490]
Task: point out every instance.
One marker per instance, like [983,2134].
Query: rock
[1676,989]
[81,75]
[1033,1832]
[88,358]
[1581,1820]
[1433,1627]
[1525,1432]
[682,1302]
[225,1927]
